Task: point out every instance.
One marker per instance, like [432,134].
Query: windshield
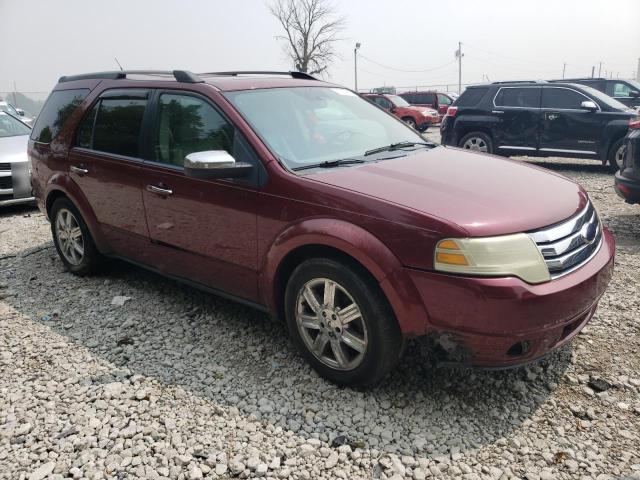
[7,107]
[398,101]
[10,127]
[308,125]
[634,84]
[604,98]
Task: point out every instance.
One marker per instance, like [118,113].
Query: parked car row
[302,199]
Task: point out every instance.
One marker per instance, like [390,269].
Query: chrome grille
[568,245]
[5,166]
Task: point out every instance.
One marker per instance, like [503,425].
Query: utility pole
[564,68]
[355,65]
[459,56]
[638,71]
[593,71]
[15,103]
[600,69]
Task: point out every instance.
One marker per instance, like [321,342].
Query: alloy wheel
[475,143]
[619,156]
[410,122]
[69,235]
[331,324]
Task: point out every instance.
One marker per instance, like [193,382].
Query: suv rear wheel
[476,141]
[616,155]
[341,323]
[72,239]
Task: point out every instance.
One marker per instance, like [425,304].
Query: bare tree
[311,28]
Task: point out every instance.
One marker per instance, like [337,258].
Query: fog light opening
[518,349]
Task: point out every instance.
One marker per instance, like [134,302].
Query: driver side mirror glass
[212,164]
[589,105]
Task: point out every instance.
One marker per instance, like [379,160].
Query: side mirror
[634,93]
[212,164]
[392,109]
[589,105]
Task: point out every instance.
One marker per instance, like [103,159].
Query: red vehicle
[430,99]
[300,198]
[418,118]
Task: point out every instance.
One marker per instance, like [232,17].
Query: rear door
[105,162]
[567,128]
[202,230]
[517,110]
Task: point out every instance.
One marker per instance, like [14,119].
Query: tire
[476,141]
[410,122]
[73,240]
[616,155]
[362,352]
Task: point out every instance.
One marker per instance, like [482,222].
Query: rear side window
[562,98]
[114,123]
[57,109]
[443,99]
[426,98]
[518,97]
[471,97]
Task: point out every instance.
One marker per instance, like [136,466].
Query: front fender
[60,182]
[359,244]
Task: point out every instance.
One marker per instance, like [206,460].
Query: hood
[13,149]
[482,194]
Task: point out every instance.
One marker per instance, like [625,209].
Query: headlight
[506,255]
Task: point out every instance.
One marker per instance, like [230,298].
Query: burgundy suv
[304,200]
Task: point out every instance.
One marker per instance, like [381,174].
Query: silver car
[15,182]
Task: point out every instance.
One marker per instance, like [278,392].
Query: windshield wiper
[397,146]
[330,164]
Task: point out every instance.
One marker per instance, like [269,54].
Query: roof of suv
[225,81]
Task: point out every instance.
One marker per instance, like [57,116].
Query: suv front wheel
[341,323]
[476,141]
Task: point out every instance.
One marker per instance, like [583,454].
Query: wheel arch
[60,186]
[345,242]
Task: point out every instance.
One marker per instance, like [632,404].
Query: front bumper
[502,322]
[15,185]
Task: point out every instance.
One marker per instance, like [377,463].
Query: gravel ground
[129,375]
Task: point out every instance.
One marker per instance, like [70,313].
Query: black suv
[627,182]
[625,91]
[538,119]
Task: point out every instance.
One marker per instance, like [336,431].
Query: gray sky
[504,39]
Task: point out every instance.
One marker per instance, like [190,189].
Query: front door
[106,163]
[203,230]
[567,128]
[517,113]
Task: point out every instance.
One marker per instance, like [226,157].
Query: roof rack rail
[292,74]
[180,75]
[518,81]
[569,80]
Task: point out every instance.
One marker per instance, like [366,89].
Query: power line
[407,71]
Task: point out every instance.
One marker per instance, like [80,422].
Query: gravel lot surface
[129,375]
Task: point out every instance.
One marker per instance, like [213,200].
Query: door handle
[79,170]
[499,112]
[159,190]
[552,116]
